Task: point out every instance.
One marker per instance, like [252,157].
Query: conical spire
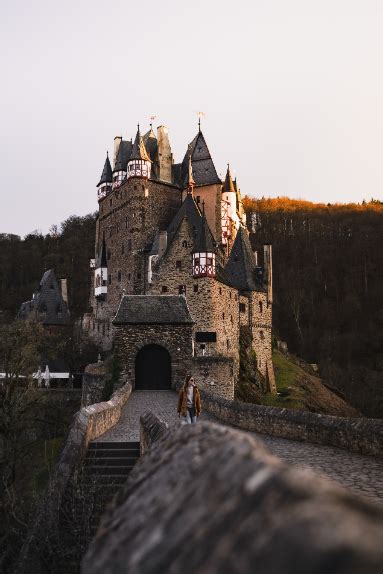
[106,176]
[102,256]
[190,183]
[204,242]
[240,268]
[139,149]
[228,186]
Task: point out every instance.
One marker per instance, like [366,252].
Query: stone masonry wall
[89,423]
[261,322]
[176,339]
[358,435]
[215,374]
[209,499]
[129,216]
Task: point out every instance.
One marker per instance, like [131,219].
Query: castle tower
[204,251]
[165,156]
[230,219]
[105,183]
[139,164]
[119,170]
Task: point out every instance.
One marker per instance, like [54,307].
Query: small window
[242,307]
[164,289]
[179,264]
[198,199]
[122,249]
[223,316]
[196,260]
[129,276]
[231,318]
[260,307]
[206,337]
[138,275]
[119,275]
[126,223]
[109,279]
[129,245]
[184,243]
[230,294]
[195,288]
[228,343]
[182,289]
[134,187]
[262,335]
[220,290]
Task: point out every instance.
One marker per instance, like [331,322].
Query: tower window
[223,316]
[109,279]
[179,264]
[138,275]
[119,275]
[122,249]
[134,187]
[242,307]
[184,243]
[260,307]
[262,335]
[198,199]
[220,290]
[164,289]
[228,343]
[182,289]
[195,288]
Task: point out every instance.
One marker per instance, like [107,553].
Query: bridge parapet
[208,498]
[360,435]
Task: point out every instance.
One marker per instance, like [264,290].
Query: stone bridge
[315,500]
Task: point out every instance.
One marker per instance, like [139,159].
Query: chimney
[162,243]
[165,156]
[64,289]
[256,257]
[268,276]
[117,141]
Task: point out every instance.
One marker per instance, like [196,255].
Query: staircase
[106,468]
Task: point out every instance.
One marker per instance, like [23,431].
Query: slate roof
[47,305]
[123,155]
[153,310]
[204,171]
[189,210]
[151,145]
[228,186]
[241,266]
[106,176]
[204,242]
[139,149]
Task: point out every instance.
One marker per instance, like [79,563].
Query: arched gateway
[153,369]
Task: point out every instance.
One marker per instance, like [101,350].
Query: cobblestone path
[362,474]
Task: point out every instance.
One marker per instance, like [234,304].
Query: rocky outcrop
[209,499]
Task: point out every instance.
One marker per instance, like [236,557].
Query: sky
[292,92]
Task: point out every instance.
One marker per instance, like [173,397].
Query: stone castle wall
[176,339]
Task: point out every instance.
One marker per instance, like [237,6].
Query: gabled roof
[153,310]
[204,242]
[241,265]
[47,304]
[228,186]
[139,149]
[204,171]
[189,210]
[106,176]
[123,155]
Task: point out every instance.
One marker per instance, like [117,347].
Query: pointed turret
[105,183]
[203,167]
[139,163]
[230,218]
[190,183]
[241,266]
[228,186]
[204,250]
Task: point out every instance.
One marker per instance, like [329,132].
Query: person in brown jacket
[189,402]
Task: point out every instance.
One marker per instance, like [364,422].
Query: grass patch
[287,375]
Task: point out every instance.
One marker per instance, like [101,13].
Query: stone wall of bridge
[356,434]
[207,498]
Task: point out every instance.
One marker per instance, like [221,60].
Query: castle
[174,279]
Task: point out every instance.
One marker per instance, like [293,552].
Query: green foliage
[286,378]
[248,387]
[112,378]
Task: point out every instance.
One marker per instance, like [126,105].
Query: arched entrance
[153,369]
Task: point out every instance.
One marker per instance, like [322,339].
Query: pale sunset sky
[292,92]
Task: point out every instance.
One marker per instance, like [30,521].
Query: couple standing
[189,402]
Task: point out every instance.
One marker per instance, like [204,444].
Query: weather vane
[152,118]
[200,115]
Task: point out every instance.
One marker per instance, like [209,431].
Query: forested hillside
[328,288]
[23,261]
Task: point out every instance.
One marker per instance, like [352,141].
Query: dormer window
[204,264]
